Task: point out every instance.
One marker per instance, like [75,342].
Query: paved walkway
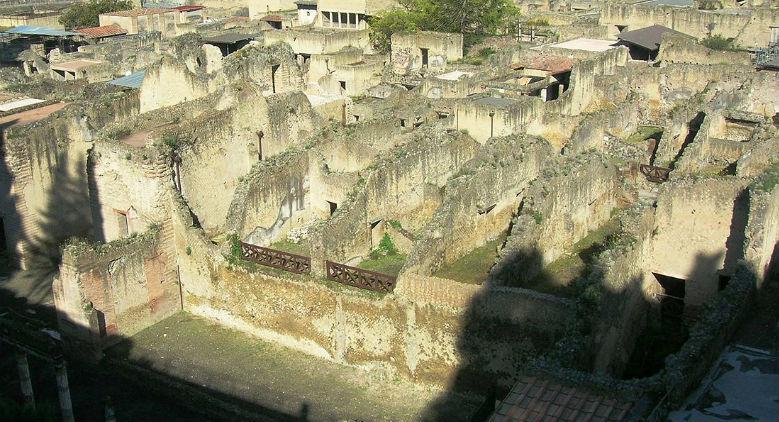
[267,376]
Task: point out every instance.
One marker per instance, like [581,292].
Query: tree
[472,18]
[84,15]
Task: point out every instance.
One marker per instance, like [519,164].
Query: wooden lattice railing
[360,278]
[277,259]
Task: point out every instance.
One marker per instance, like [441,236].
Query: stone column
[24,378]
[63,390]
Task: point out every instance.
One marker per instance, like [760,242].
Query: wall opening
[122,224]
[343,85]
[377,232]
[665,331]
[333,206]
[402,122]
[273,76]
[260,135]
[425,56]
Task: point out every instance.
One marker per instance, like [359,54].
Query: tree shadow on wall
[622,331]
[499,335]
[65,214]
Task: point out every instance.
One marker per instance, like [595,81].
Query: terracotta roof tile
[102,31]
[543,400]
[189,8]
[551,64]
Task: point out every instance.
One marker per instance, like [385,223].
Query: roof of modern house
[552,64]
[191,8]
[40,30]
[102,31]
[133,80]
[537,399]
[649,37]
[137,12]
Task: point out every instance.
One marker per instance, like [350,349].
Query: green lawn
[474,267]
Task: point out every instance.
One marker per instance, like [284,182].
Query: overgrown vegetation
[84,15]
[539,21]
[472,19]
[385,258]
[644,133]
[474,267]
[718,42]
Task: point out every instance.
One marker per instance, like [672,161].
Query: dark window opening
[425,56]
[333,207]
[724,280]
[402,122]
[343,85]
[273,74]
[356,117]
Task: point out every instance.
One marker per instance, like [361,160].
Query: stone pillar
[24,378]
[63,390]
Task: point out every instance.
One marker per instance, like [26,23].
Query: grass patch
[474,267]
[387,264]
[289,246]
[558,277]
[385,259]
[645,132]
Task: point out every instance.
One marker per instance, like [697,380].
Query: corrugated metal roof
[649,37]
[40,30]
[133,80]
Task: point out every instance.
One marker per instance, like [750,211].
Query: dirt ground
[30,116]
[286,382]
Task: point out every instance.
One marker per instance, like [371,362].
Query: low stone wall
[679,49]
[750,27]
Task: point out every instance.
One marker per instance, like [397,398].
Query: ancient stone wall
[112,291]
[762,230]
[306,41]
[221,147]
[433,50]
[270,198]
[699,233]
[395,187]
[126,189]
[628,292]
[679,49]
[195,73]
[479,202]
[572,197]
[750,27]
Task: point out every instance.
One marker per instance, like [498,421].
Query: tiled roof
[138,12]
[102,31]
[273,18]
[534,399]
[551,64]
[189,8]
